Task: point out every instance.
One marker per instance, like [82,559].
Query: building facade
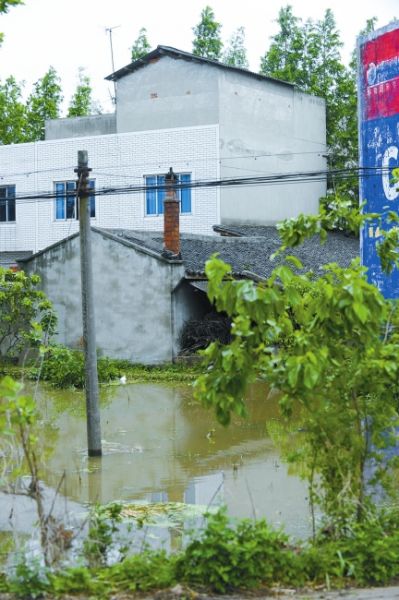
[207,120]
[133,161]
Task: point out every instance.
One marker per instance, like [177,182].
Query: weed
[64,368]
[225,558]
[29,580]
[102,529]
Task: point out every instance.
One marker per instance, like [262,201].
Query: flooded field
[160,445]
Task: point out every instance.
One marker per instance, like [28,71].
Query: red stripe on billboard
[385,47]
[382,100]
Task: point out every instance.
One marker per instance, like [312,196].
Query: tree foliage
[13,122]
[4,6]
[235,54]
[207,36]
[309,55]
[141,45]
[329,345]
[26,315]
[43,103]
[81,103]
[286,53]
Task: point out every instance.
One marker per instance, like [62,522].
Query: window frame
[157,203]
[67,192]
[9,200]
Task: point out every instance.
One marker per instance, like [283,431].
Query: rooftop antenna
[109,30]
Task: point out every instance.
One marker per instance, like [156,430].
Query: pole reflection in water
[161,446]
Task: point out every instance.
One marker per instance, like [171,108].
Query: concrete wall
[80,126]
[117,161]
[268,128]
[265,128]
[167,93]
[132,291]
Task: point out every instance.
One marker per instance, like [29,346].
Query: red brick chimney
[171,204]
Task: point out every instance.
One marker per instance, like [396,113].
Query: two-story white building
[207,120]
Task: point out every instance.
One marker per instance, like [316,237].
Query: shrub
[29,580]
[367,554]
[225,558]
[65,368]
[27,318]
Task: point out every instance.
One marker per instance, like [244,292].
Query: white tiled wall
[116,160]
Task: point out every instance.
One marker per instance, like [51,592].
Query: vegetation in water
[64,368]
[224,556]
[19,454]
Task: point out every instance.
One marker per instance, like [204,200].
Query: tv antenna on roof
[110,30]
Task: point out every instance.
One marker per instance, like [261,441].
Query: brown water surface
[160,445]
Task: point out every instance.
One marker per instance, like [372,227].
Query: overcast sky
[69,34]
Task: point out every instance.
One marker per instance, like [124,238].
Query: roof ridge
[161,50]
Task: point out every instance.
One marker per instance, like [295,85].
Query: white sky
[69,34]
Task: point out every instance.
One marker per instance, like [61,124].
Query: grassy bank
[229,557]
[64,368]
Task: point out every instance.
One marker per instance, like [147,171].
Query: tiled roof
[250,251]
[247,249]
[7,259]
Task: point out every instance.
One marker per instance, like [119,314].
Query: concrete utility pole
[89,332]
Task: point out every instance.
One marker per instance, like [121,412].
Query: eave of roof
[12,258]
[112,235]
[175,53]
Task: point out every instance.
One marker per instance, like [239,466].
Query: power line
[38,172]
[190,161]
[273,179]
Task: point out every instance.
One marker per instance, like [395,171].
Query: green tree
[43,103]
[285,56]
[13,122]
[207,41]
[329,345]
[343,132]
[4,6]
[141,46]
[81,104]
[235,54]
[26,315]
[309,55]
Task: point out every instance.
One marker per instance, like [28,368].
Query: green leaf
[295,261]
[361,311]
[310,375]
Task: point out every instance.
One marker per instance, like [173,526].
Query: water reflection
[162,446]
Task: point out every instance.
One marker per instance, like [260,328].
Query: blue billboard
[378,95]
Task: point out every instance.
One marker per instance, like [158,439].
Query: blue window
[66,206]
[7,204]
[155,195]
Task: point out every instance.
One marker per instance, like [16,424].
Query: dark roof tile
[7,259]
[251,252]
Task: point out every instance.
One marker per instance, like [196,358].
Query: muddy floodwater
[159,445]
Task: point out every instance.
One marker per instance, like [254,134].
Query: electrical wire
[191,160]
[261,180]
